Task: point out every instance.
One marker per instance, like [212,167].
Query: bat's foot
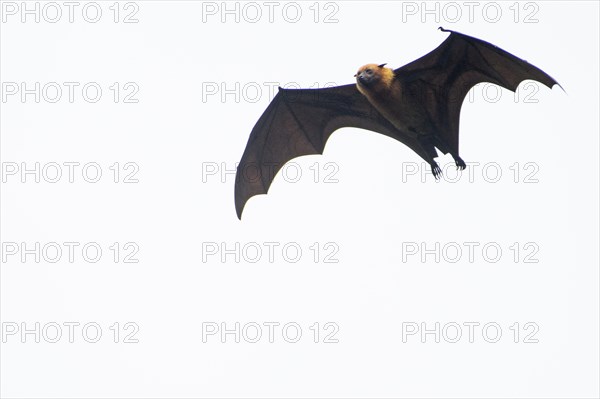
[435,169]
[460,164]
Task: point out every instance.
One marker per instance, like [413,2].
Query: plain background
[369,215]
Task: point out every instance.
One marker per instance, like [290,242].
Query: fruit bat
[417,104]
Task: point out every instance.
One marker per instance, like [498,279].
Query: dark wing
[299,122]
[442,78]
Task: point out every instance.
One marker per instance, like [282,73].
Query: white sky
[367,203]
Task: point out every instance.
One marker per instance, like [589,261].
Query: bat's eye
[369,71]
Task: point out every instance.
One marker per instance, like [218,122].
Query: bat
[417,104]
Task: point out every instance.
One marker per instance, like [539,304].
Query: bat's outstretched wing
[299,122]
[442,79]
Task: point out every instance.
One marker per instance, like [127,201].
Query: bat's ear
[382,65]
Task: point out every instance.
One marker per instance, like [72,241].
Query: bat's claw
[460,164]
[437,172]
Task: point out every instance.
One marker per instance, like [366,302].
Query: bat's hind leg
[460,164]
[426,143]
[445,148]
[435,169]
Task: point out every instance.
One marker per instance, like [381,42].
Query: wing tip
[551,83]
[239,207]
[240,204]
[559,85]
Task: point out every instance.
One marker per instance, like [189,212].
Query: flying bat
[417,104]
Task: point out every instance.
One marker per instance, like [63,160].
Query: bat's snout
[362,78]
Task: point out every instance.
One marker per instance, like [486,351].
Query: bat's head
[370,75]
